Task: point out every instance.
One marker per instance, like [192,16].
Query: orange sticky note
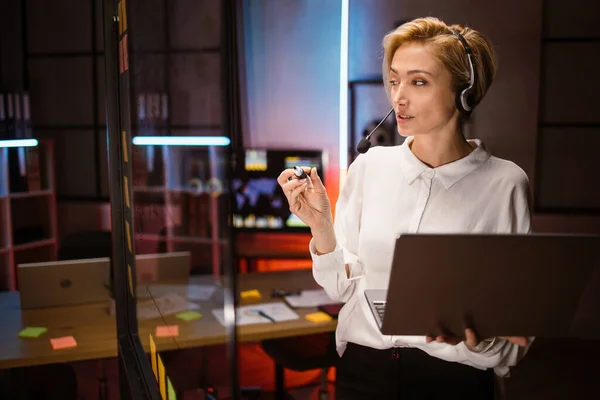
[318,317]
[63,342]
[166,331]
[250,295]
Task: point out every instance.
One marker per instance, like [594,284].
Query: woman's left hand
[471,339]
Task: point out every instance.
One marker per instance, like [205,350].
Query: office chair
[302,353]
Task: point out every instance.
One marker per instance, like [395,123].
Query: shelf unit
[28,218]
[179,204]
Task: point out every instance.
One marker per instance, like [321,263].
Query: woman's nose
[400,96]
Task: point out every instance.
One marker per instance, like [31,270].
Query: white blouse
[389,191]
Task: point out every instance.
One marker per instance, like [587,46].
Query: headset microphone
[364,143]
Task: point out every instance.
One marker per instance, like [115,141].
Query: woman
[435,182]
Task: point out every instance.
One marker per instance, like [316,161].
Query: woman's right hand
[307,198]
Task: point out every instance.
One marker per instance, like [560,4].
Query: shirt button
[429,173]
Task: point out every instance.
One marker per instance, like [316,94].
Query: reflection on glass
[180,156]
[180,211]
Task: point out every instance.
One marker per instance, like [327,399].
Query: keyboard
[380,308]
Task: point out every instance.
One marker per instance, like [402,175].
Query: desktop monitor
[258,201]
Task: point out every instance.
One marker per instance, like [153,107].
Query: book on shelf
[3,120]
[10,117]
[24,169]
[34,178]
[15,116]
[152,111]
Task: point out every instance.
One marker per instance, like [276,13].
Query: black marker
[265,315]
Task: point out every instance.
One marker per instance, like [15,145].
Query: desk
[95,330]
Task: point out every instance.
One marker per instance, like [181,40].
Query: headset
[465,95]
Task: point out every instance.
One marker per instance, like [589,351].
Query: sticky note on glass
[250,295]
[32,332]
[318,317]
[171,390]
[153,356]
[161,378]
[166,331]
[65,342]
[189,315]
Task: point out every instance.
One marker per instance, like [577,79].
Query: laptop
[162,267]
[64,283]
[499,285]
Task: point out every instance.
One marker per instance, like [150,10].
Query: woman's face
[421,92]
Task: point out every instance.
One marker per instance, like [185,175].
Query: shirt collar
[448,174]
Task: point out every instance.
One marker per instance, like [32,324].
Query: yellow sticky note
[318,317]
[130,280]
[124,16]
[153,357]
[161,378]
[250,295]
[170,390]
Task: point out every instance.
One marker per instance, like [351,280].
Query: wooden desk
[95,330]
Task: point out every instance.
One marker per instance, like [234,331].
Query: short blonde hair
[448,50]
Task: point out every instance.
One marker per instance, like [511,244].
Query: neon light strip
[343,132]
[181,141]
[19,143]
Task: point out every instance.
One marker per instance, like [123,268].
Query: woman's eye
[419,82]
[393,83]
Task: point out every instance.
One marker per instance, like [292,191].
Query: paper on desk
[201,292]
[164,305]
[248,315]
[310,298]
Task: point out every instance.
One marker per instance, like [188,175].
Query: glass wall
[175,193]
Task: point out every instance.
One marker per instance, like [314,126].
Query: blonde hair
[448,50]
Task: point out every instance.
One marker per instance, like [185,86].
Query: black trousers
[408,373]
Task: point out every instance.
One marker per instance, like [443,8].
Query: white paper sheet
[310,298]
[247,315]
[201,292]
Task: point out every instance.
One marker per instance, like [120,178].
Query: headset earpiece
[465,99]
[465,95]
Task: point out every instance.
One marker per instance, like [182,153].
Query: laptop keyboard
[380,308]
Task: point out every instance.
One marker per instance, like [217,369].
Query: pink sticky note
[166,331]
[63,342]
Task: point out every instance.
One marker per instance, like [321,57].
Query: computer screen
[258,201]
